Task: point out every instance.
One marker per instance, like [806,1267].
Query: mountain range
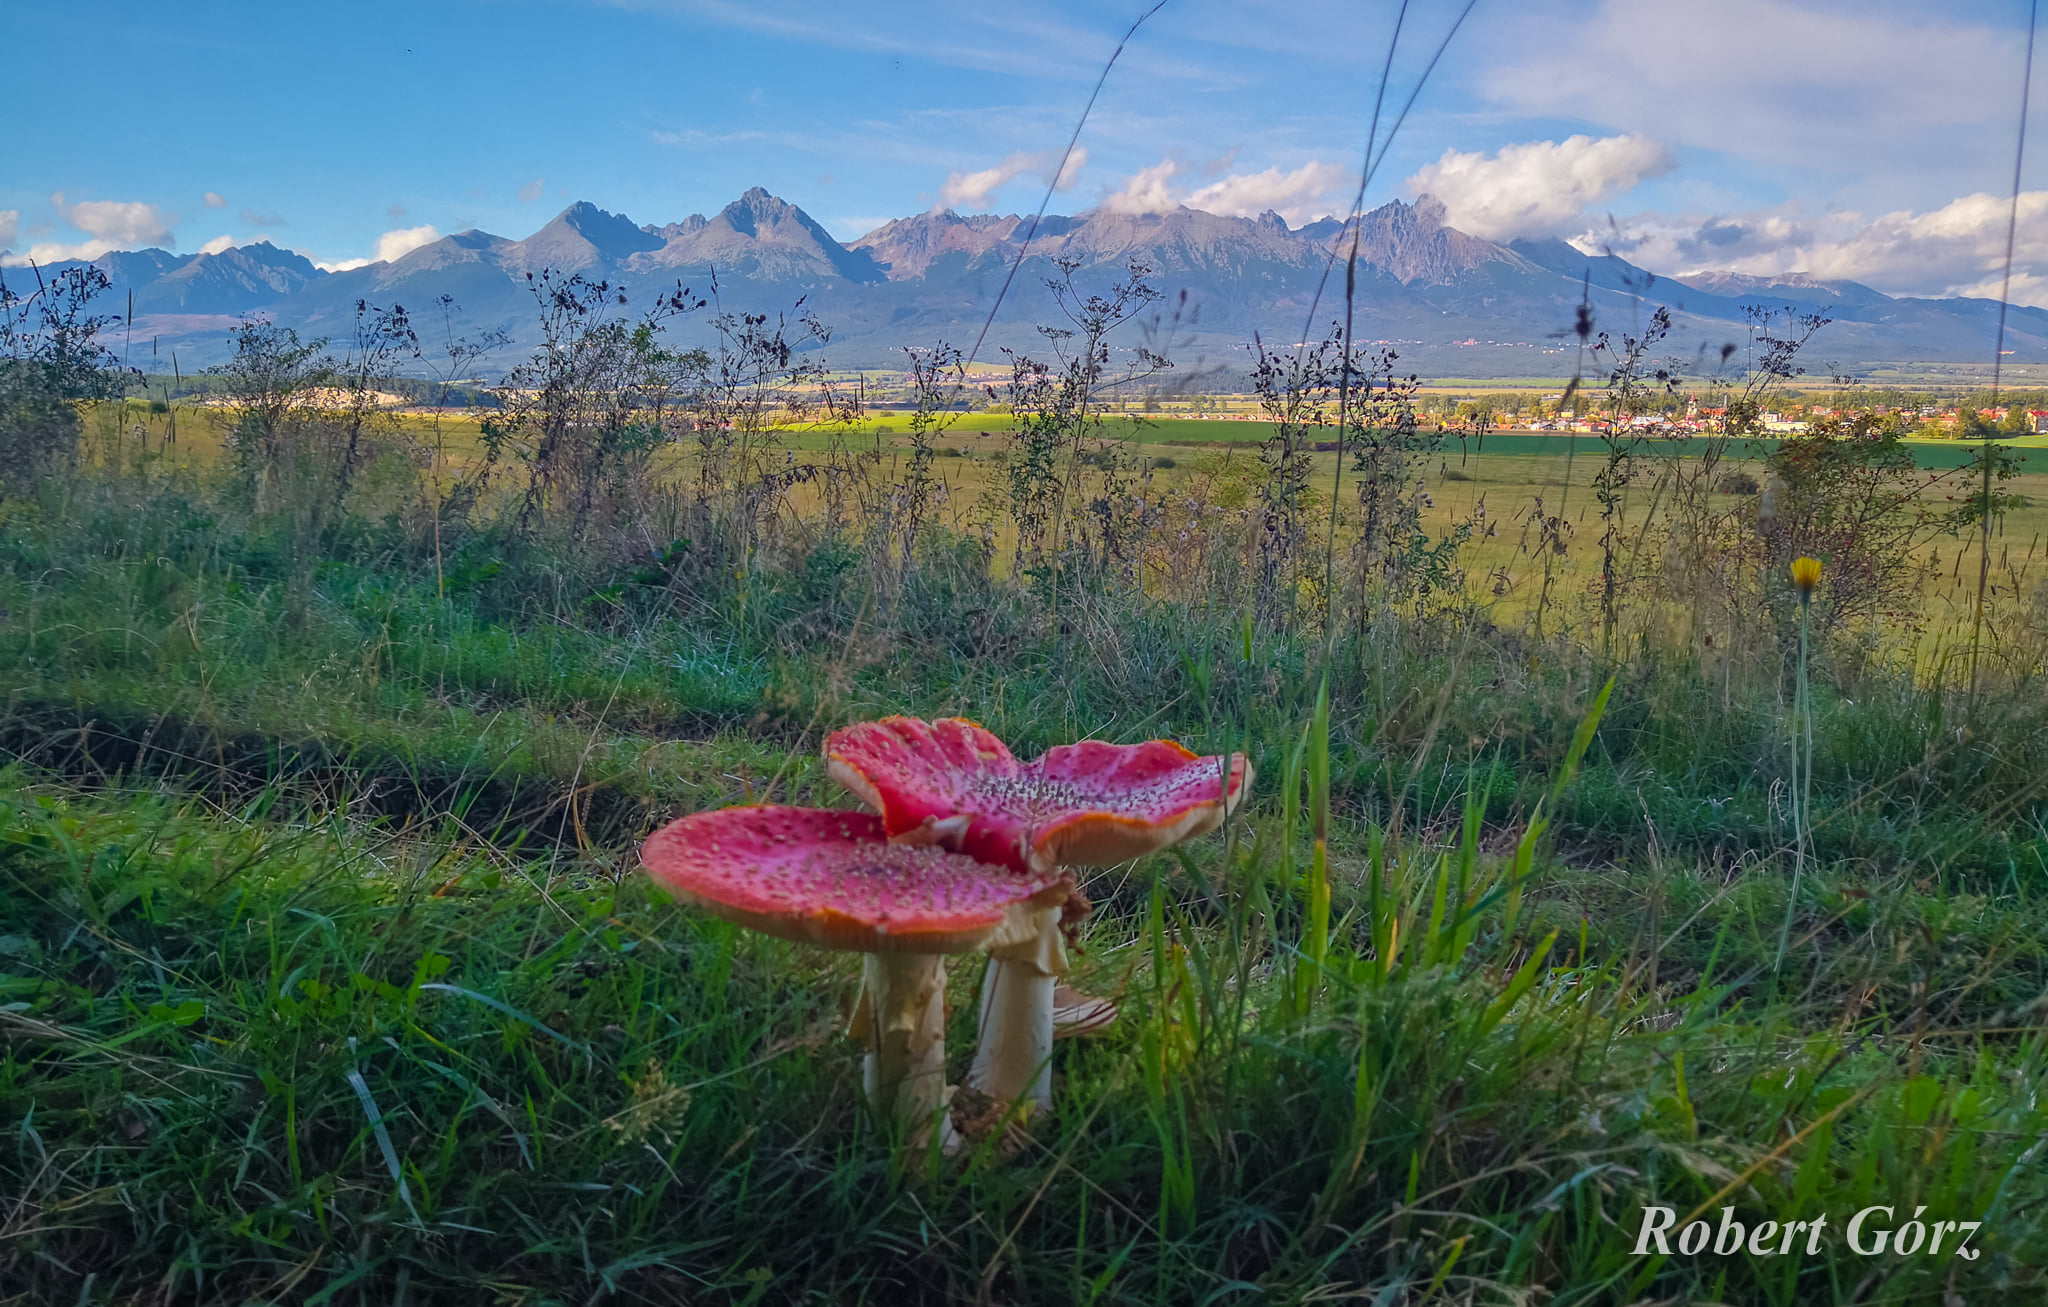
[1449,302]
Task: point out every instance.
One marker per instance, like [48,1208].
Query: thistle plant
[1805,576]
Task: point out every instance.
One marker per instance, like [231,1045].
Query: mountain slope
[756,237]
[581,239]
[1448,301]
[905,248]
[232,281]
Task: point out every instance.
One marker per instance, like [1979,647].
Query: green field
[970,430]
[328,972]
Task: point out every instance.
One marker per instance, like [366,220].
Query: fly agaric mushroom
[832,878]
[954,784]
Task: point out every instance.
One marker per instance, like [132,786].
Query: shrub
[1851,493]
[50,359]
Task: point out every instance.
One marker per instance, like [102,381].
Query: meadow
[1467,477]
[328,972]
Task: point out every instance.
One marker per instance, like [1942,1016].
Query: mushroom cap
[1089,804]
[829,877]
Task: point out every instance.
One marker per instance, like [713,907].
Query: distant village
[1955,420]
[1926,421]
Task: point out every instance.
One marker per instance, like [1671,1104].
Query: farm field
[1502,472]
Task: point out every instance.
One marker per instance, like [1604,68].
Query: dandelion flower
[1805,576]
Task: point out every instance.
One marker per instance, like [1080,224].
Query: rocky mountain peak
[1422,283]
[757,235]
[584,238]
[1411,242]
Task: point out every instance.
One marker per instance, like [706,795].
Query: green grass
[586,1090]
[1143,430]
[1248,427]
[327,974]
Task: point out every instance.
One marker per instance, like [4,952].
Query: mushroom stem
[1013,1061]
[905,1069]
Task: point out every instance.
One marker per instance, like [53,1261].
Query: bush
[1737,483]
[50,358]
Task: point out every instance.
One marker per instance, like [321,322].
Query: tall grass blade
[376,1118]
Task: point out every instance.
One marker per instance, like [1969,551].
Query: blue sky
[1761,135]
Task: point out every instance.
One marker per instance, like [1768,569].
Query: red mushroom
[954,784]
[832,878]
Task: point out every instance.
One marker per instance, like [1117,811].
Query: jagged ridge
[1422,284]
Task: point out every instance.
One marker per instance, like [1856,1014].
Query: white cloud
[2027,288]
[394,245]
[528,193]
[1538,188]
[1298,196]
[1957,249]
[1070,171]
[218,245]
[108,225]
[971,190]
[215,200]
[391,246]
[121,222]
[10,226]
[1147,190]
[1924,94]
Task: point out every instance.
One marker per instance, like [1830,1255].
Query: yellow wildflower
[1805,576]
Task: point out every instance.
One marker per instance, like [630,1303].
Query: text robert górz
[1869,1233]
